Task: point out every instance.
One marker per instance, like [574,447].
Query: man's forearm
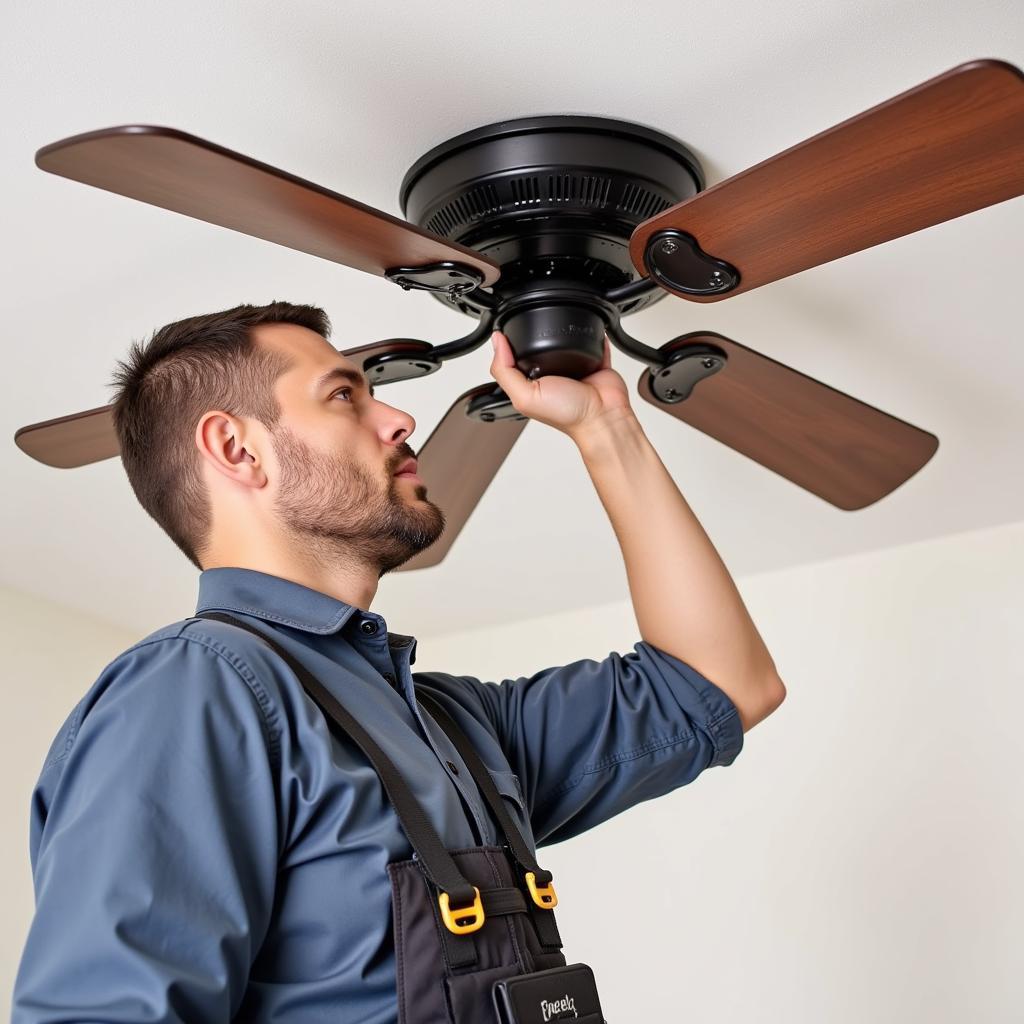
[685,601]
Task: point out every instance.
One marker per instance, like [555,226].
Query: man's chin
[423,542]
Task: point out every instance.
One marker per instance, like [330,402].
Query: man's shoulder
[183,663]
[193,680]
[235,646]
[177,670]
[197,629]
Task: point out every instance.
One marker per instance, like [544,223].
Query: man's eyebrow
[336,373]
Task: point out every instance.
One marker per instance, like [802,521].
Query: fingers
[503,367]
[501,349]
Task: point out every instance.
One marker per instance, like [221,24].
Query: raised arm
[685,601]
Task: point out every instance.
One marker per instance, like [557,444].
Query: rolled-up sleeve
[592,738]
[154,845]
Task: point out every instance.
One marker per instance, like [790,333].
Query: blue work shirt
[204,848]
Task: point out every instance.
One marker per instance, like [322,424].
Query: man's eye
[349,391]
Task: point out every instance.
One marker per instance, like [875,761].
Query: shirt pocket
[511,790]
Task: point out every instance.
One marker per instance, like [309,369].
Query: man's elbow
[771,694]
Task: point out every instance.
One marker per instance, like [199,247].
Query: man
[203,847]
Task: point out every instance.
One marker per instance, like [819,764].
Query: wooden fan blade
[84,437]
[843,450]
[186,174]
[457,464]
[950,146]
[70,441]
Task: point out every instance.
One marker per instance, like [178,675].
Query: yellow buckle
[451,917]
[544,897]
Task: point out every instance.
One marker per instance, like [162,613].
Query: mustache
[402,453]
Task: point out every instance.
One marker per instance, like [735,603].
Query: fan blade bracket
[400,364]
[687,365]
[675,260]
[488,406]
[448,278]
[834,446]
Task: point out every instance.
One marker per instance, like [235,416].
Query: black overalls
[463,919]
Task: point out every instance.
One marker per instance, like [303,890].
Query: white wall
[858,862]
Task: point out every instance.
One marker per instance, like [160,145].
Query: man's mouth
[408,470]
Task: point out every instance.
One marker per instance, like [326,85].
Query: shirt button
[390,678]
[453,768]
[368,627]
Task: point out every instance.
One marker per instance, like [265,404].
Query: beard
[340,510]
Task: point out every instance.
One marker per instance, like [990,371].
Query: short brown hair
[164,387]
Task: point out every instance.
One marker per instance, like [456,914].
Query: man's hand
[572,406]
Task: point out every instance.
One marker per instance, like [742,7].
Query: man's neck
[336,575]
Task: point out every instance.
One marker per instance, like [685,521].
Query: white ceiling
[926,327]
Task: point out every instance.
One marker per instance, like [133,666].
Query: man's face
[337,449]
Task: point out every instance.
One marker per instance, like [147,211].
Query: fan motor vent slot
[579,189]
[525,190]
[470,206]
[641,202]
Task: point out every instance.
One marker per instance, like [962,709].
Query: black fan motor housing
[553,201]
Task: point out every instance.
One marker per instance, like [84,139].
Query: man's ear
[232,447]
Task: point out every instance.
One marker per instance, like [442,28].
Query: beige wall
[859,860]
[52,655]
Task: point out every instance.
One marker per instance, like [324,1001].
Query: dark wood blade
[70,441]
[457,464]
[950,146]
[843,450]
[186,174]
[85,437]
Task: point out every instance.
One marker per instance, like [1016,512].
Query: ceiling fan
[552,228]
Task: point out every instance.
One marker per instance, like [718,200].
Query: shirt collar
[275,599]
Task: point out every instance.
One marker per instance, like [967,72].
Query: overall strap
[437,861]
[543,918]
[482,777]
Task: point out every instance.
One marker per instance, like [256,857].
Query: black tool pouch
[445,978]
[475,933]
[561,994]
